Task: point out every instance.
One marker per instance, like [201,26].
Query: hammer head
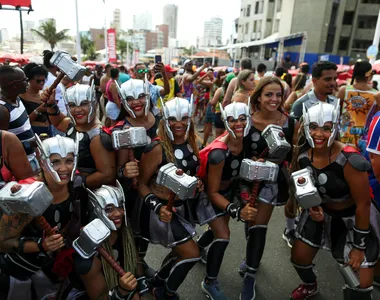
[71,68]
[31,199]
[183,185]
[130,138]
[258,171]
[90,238]
[277,143]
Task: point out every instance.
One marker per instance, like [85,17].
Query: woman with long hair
[137,110]
[245,86]
[176,144]
[25,261]
[31,99]
[346,222]
[98,277]
[267,107]
[216,102]
[220,165]
[298,91]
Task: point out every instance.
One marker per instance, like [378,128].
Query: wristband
[56,113]
[114,294]
[41,246]
[120,287]
[51,105]
[233,210]
[360,238]
[153,203]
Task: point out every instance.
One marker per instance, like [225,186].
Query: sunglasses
[19,80]
[143,71]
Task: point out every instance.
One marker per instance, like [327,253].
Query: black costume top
[86,162]
[330,180]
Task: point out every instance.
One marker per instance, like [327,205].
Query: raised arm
[105,165]
[229,92]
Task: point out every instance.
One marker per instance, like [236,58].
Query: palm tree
[48,32]
[85,43]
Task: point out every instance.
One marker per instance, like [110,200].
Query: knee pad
[205,239]
[357,293]
[255,245]
[306,273]
[164,272]
[178,274]
[215,257]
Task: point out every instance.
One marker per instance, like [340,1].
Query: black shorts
[218,121]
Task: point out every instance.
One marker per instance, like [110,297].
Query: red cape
[203,154]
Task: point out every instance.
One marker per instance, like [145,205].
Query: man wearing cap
[174,87]
[140,70]
[189,77]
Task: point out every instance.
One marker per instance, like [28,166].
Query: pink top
[108,92]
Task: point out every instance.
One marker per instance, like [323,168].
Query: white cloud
[191,15]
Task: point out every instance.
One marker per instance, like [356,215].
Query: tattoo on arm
[12,226]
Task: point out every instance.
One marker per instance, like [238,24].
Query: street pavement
[276,277]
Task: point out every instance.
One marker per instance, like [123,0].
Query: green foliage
[91,53]
[85,43]
[189,51]
[48,32]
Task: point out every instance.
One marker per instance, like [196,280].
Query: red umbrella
[7,57]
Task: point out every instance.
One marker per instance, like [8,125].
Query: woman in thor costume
[108,204]
[347,223]
[137,111]
[267,107]
[220,166]
[96,161]
[176,144]
[30,259]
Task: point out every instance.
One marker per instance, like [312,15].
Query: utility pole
[79,57]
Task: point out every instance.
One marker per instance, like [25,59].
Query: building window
[256,7]
[248,10]
[261,6]
[246,27]
[348,17]
[276,25]
[259,26]
[254,26]
[279,4]
[343,44]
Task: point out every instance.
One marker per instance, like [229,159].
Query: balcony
[346,31]
[364,34]
[368,9]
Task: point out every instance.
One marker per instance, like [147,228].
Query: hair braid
[129,256]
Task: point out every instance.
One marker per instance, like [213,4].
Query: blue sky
[192,14]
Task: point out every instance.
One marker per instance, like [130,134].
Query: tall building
[164,28]
[212,33]
[344,28]
[171,19]
[142,21]
[116,23]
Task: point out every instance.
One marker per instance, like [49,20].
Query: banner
[111,43]
[22,3]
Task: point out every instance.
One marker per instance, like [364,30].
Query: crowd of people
[65,139]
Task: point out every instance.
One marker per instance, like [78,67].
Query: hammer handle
[131,157]
[56,82]
[44,225]
[256,184]
[110,260]
[169,206]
